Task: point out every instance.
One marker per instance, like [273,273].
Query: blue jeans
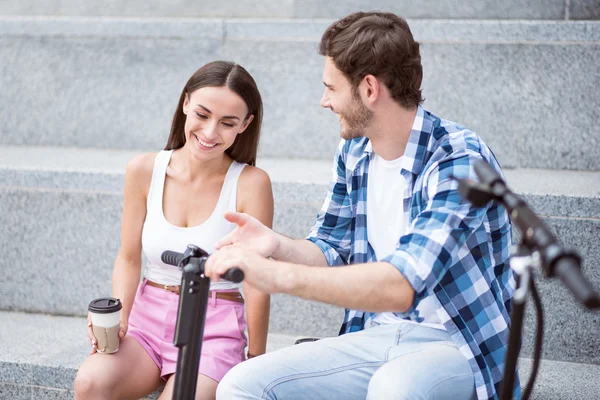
[397,361]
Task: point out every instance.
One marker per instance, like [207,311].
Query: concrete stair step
[61,210]
[472,9]
[40,355]
[505,79]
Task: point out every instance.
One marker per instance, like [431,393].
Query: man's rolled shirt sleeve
[430,247]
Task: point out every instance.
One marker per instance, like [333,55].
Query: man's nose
[325,101]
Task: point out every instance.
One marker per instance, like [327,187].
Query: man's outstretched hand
[266,275]
[250,234]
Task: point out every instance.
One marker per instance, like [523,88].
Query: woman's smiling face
[214,118]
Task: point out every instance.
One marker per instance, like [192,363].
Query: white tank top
[159,235]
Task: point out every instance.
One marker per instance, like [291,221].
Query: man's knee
[408,378]
[388,383]
[241,382]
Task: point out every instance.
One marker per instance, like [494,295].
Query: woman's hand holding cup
[105,328]
[91,336]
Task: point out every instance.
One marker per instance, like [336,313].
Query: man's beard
[357,118]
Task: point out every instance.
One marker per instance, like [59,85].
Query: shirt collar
[414,154]
[418,140]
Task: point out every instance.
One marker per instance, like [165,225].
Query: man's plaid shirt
[451,249]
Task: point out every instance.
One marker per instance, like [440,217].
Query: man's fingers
[209,269]
[220,262]
[225,240]
[237,218]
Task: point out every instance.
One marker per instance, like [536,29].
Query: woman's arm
[255,197]
[128,264]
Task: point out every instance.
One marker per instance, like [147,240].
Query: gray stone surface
[54,375]
[15,392]
[114,83]
[15,373]
[517,97]
[484,9]
[71,180]
[292,315]
[561,380]
[51,394]
[207,28]
[584,9]
[504,31]
[29,350]
[55,240]
[152,8]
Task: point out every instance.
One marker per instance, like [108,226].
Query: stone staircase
[87,85]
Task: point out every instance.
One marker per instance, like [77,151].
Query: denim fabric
[396,361]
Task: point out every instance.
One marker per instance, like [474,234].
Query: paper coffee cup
[106,318]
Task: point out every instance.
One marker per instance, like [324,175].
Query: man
[425,279]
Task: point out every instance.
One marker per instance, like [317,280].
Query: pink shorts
[152,323]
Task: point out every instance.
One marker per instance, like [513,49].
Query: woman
[172,199]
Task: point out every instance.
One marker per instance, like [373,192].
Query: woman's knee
[86,387]
[91,384]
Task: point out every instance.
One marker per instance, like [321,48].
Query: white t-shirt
[386,224]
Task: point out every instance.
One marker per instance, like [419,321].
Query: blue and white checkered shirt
[451,249]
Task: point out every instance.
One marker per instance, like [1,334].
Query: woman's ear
[246,123]
[186,104]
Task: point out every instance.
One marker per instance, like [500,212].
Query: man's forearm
[373,287]
[299,251]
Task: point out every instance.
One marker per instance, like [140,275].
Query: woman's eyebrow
[210,112]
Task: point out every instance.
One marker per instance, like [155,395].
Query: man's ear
[186,104]
[371,88]
[246,123]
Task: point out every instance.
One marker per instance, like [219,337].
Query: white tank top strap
[159,172]
[230,185]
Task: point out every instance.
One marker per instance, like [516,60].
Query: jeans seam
[272,385]
[447,379]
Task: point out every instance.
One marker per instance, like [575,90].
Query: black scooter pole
[193,300]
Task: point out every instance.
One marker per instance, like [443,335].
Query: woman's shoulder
[253,178]
[255,194]
[142,164]
[139,170]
